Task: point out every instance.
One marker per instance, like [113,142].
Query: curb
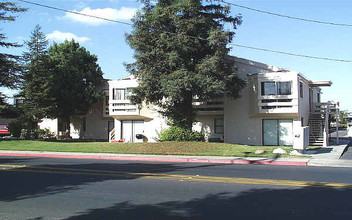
[155,159]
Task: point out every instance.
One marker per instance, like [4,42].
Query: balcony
[212,107]
[278,105]
[124,110]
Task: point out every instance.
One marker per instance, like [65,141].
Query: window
[276,88]
[219,126]
[119,94]
[284,88]
[268,88]
[301,89]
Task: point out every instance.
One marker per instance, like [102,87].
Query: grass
[161,148]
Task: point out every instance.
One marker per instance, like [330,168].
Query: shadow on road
[40,180]
[305,203]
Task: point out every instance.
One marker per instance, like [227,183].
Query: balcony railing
[211,107]
[122,107]
[278,105]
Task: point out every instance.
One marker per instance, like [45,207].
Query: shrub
[15,128]
[38,134]
[180,134]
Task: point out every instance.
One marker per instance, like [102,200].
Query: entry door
[130,129]
[277,132]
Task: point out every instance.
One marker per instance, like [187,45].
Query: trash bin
[139,136]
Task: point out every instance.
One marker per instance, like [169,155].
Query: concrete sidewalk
[330,156]
[326,156]
[162,158]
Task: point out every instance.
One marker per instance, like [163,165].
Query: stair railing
[112,135]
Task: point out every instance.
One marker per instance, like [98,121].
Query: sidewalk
[326,156]
[330,156]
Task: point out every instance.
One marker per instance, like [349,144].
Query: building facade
[274,107]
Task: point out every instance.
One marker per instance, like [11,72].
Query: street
[46,188]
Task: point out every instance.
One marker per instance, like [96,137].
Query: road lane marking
[12,166]
[110,173]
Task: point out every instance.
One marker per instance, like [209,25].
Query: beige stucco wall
[240,124]
[304,107]
[96,124]
[205,124]
[239,127]
[151,127]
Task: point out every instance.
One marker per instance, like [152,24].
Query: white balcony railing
[278,104]
[122,107]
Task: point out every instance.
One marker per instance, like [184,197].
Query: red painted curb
[176,160]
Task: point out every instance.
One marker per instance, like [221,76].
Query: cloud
[124,13]
[62,36]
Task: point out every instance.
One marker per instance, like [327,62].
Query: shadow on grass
[40,180]
[314,202]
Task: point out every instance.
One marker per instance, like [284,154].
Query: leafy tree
[342,117]
[9,67]
[181,53]
[36,79]
[76,76]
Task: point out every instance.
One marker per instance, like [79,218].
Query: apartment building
[276,107]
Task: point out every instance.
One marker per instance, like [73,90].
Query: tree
[343,115]
[76,76]
[181,53]
[9,67]
[36,79]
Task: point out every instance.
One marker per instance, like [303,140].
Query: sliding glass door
[130,129]
[277,132]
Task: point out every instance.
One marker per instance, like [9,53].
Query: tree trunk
[189,116]
[28,132]
[68,127]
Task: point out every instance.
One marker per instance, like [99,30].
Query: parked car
[4,130]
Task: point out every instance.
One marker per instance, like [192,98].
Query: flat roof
[319,83]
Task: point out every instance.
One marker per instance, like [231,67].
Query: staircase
[319,123]
[316,129]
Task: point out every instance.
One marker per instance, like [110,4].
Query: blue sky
[107,40]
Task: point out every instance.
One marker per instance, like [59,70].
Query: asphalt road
[42,188]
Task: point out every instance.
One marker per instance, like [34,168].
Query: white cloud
[124,13]
[62,36]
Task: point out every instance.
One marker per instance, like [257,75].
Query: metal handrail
[112,135]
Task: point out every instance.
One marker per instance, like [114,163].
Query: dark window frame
[278,86]
[216,131]
[301,89]
[277,128]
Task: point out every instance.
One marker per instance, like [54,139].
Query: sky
[107,39]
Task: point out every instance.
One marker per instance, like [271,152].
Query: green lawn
[161,148]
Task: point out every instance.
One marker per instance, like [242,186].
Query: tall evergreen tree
[36,79]
[76,76]
[181,53]
[9,67]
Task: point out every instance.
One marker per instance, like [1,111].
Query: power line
[184,35]
[287,16]
[291,54]
[74,12]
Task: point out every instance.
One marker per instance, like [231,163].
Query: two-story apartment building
[273,108]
